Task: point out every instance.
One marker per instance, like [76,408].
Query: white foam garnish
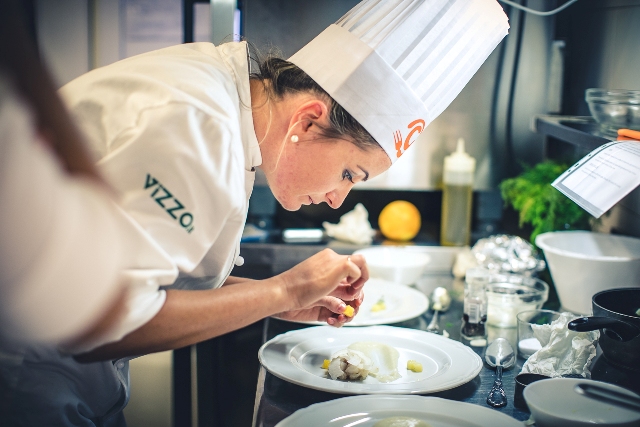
[384,358]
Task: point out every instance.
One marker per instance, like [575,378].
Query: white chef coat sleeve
[145,268]
[180,175]
[180,172]
[59,239]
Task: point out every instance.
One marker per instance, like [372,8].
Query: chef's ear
[310,112]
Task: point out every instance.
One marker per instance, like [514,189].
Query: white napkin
[563,352]
[353,227]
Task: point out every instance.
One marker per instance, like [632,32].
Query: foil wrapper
[507,254]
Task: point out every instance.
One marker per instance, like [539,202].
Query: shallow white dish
[365,411]
[395,263]
[554,402]
[297,357]
[401,302]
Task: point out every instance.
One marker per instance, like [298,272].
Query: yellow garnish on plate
[348,311]
[325,364]
[379,306]
[414,366]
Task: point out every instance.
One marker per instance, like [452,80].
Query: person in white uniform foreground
[179,133]
[58,221]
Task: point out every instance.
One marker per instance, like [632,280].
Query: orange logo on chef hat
[415,128]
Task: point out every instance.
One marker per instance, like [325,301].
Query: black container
[523,380]
[619,304]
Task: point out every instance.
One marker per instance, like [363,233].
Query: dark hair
[285,78]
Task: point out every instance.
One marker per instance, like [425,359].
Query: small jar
[475,303]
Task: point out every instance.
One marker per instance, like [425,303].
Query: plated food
[363,358]
[438,363]
[401,422]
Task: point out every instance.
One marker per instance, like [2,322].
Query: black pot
[614,314]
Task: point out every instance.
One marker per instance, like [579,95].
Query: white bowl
[554,403]
[395,264]
[583,263]
[441,258]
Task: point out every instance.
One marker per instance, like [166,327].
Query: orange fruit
[399,220]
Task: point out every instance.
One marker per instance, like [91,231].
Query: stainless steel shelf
[582,131]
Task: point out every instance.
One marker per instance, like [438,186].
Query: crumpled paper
[354,227]
[563,352]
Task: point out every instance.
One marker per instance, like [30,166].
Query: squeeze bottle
[455,226]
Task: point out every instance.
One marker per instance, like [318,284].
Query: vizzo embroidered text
[170,204]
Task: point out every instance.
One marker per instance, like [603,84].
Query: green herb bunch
[540,204]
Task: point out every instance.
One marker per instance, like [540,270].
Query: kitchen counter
[228,372]
[276,398]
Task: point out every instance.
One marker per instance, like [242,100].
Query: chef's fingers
[358,272]
[357,301]
[333,304]
[335,311]
[346,292]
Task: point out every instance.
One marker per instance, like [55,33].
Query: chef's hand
[319,287]
[327,309]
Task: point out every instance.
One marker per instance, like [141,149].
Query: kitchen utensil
[500,355]
[613,328]
[619,305]
[509,294]
[583,263]
[369,410]
[610,396]
[440,302]
[395,264]
[554,403]
[615,109]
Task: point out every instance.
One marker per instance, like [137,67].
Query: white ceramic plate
[365,411]
[297,357]
[401,303]
[554,402]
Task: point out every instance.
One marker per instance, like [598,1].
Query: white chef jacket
[174,134]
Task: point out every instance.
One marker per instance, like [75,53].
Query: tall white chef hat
[395,65]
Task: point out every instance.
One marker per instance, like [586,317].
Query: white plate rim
[346,406]
[577,400]
[414,304]
[283,368]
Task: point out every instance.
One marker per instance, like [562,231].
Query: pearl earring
[294,138]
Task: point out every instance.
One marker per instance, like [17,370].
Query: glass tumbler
[527,342]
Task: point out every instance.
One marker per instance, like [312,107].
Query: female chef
[180,132]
